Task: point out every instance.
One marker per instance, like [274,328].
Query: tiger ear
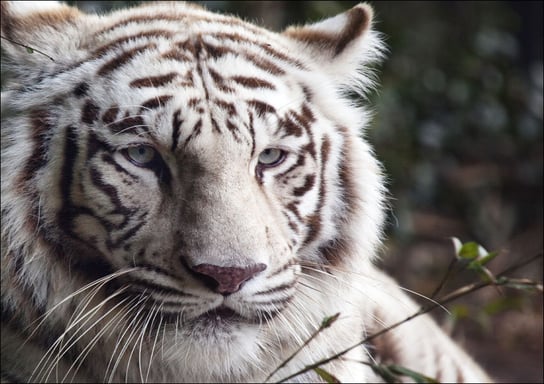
[340,44]
[36,32]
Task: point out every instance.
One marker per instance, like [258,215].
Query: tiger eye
[271,157]
[141,155]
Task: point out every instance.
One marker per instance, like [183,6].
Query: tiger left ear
[342,43]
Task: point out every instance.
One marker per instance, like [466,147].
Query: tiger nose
[226,280]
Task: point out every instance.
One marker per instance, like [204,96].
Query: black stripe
[110,191]
[128,124]
[252,82]
[314,221]
[219,81]
[252,134]
[300,163]
[81,90]
[118,61]
[102,51]
[234,130]
[268,48]
[225,105]
[290,127]
[309,182]
[261,107]
[195,132]
[71,151]
[128,234]
[41,136]
[176,126]
[155,102]
[90,112]
[151,17]
[153,81]
[108,159]
[215,126]
[110,115]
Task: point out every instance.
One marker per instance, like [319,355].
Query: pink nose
[226,280]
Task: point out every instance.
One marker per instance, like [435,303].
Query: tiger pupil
[142,153]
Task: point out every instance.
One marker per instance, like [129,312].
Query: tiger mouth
[222,315]
[220,321]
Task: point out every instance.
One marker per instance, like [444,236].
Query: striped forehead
[188,37]
[206,80]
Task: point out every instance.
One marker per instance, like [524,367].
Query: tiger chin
[186,196]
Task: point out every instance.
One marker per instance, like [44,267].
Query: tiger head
[181,175]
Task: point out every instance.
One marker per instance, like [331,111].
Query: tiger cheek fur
[185,196]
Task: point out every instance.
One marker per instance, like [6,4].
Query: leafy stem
[28,48]
[326,323]
[499,280]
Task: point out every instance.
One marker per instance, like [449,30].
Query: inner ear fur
[333,35]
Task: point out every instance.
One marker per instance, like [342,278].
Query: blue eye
[271,157]
[141,155]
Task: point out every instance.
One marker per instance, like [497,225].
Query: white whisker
[100,282]
[131,328]
[75,338]
[115,321]
[152,351]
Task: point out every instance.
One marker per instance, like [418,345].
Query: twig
[327,322]
[501,280]
[445,278]
[28,48]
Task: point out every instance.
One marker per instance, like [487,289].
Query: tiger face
[213,192]
[192,180]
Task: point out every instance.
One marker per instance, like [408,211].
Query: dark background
[458,125]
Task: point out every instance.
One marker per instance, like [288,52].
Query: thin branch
[501,280]
[326,323]
[447,275]
[28,48]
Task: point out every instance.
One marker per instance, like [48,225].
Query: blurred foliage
[458,125]
[461,105]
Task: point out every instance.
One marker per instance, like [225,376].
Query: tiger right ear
[340,44]
[31,27]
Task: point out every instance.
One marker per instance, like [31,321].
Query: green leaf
[327,321]
[485,275]
[385,373]
[416,376]
[29,50]
[475,265]
[329,378]
[469,251]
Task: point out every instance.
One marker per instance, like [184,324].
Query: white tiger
[186,196]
